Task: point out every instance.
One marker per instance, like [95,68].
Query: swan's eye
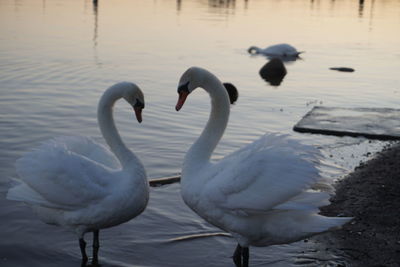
[139,104]
[183,88]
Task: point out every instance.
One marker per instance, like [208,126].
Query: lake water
[57,57]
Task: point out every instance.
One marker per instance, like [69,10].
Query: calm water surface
[57,57]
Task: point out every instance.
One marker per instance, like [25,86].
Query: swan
[76,183]
[280,50]
[260,193]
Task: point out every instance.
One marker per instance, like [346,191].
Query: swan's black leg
[82,245]
[237,256]
[96,246]
[245,254]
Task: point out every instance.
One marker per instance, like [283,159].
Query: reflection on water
[51,79]
[96,22]
[222,3]
[273,71]
[361,8]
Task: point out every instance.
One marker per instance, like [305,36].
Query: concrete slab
[372,123]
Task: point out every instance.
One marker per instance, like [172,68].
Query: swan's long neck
[108,129]
[201,151]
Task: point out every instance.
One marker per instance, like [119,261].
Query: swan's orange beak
[182,98]
[138,113]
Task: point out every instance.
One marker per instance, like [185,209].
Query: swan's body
[260,193]
[79,184]
[279,50]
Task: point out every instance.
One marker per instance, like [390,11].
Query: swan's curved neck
[108,129]
[201,151]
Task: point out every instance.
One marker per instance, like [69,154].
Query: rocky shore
[371,194]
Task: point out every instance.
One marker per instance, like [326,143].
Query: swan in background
[279,50]
[76,183]
[261,193]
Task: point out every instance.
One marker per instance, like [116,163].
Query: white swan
[280,50]
[260,193]
[77,183]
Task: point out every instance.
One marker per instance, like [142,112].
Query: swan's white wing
[262,175]
[86,147]
[61,178]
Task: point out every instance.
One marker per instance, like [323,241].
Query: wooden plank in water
[155,182]
[372,123]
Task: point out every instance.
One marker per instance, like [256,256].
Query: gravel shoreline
[370,194]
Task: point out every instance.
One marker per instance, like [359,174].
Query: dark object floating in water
[164,181]
[344,69]
[273,71]
[372,123]
[232,92]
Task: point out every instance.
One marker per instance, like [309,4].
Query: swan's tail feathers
[309,200]
[319,223]
[295,225]
[24,193]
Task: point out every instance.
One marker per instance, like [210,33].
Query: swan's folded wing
[262,175]
[64,179]
[87,147]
